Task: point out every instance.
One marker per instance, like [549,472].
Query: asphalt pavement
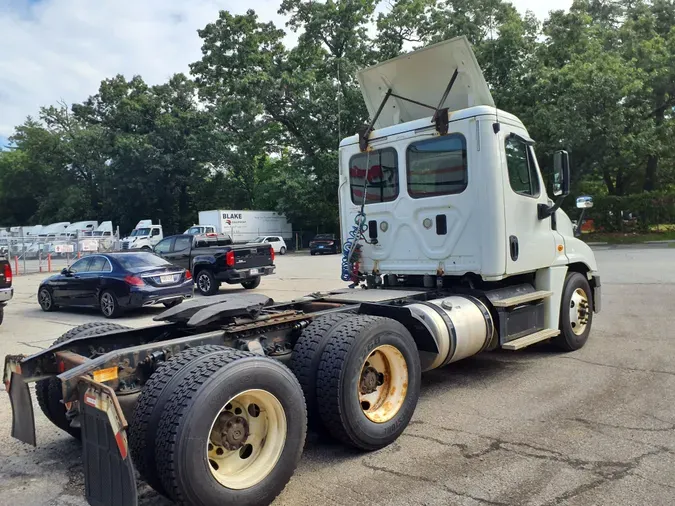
[535,427]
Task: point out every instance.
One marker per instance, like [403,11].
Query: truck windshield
[140,231]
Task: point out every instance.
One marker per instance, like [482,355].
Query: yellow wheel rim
[579,311]
[383,384]
[246,439]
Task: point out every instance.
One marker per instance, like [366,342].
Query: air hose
[350,246]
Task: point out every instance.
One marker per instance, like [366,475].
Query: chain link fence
[34,254]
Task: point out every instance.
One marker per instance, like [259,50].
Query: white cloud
[53,50]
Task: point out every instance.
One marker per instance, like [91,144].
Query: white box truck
[245,226]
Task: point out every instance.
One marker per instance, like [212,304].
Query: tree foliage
[256,125]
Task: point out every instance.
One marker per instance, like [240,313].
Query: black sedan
[324,243]
[114,282]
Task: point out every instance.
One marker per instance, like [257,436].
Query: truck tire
[307,356]
[576,313]
[251,283]
[368,381]
[206,282]
[222,413]
[109,305]
[48,391]
[149,407]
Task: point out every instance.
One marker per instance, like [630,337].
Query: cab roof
[428,123]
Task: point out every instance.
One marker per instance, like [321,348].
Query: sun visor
[423,76]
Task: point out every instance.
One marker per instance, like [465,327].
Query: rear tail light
[8,273]
[272,253]
[188,275]
[229,258]
[134,281]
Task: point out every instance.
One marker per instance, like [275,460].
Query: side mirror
[561,174]
[584,202]
[65,272]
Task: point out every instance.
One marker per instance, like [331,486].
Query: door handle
[513,246]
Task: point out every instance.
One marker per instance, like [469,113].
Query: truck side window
[164,246]
[437,167]
[522,170]
[182,243]
[382,169]
[155,232]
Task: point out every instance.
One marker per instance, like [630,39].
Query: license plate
[166,279]
[254,272]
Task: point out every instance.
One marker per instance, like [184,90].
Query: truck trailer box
[245,226]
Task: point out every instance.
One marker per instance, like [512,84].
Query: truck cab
[144,236]
[452,193]
[201,230]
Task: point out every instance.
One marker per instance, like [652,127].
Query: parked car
[6,290]
[115,282]
[277,243]
[324,243]
[212,263]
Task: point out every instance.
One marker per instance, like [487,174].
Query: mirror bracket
[545,211]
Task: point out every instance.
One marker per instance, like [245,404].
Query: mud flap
[108,471]
[23,419]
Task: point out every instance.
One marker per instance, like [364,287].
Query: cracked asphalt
[535,427]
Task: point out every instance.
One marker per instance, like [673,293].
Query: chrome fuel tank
[461,325]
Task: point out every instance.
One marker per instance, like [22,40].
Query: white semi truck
[453,246]
[144,236]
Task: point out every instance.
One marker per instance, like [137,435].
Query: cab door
[530,242]
[180,252]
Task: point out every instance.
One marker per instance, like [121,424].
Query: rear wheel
[206,282]
[227,436]
[46,300]
[48,391]
[251,283]
[307,356]
[109,305]
[576,313]
[282,250]
[368,381]
[150,405]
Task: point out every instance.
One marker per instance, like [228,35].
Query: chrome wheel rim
[45,299]
[204,283]
[107,304]
[383,383]
[579,311]
[246,439]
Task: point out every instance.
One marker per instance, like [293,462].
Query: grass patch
[629,238]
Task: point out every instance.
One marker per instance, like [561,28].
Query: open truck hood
[423,76]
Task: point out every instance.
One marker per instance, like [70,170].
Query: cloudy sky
[53,50]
